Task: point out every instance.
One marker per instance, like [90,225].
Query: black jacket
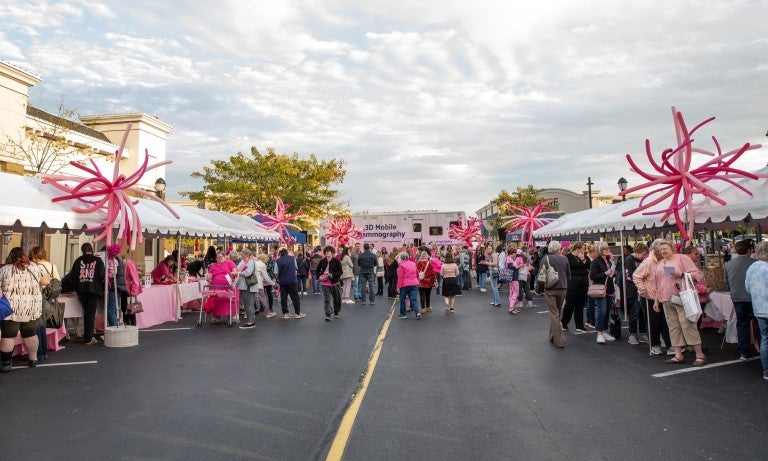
[597,271]
[334,271]
[88,274]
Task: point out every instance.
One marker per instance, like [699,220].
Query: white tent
[27,204]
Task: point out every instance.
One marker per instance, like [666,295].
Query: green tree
[249,183]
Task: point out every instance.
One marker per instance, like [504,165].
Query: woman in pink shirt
[408,284]
[437,264]
[669,277]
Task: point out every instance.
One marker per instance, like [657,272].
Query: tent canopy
[30,206]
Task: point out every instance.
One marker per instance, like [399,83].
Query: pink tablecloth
[159,302]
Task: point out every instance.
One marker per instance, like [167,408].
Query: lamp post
[160,188]
[589,190]
[622,187]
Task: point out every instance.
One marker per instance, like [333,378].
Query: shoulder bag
[597,290]
[548,276]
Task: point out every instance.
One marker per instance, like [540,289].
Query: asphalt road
[478,384]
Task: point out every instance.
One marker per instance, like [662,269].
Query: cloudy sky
[432,104]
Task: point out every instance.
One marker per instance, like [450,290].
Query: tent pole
[623,274]
[178,278]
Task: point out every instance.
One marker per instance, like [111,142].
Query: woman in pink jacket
[408,284]
[669,277]
[645,281]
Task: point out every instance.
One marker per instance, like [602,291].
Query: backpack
[53,290]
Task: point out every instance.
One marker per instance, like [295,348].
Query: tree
[247,184]
[45,150]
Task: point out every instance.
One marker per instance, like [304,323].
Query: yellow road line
[348,421]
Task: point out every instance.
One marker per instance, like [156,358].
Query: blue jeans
[481,279]
[744,316]
[362,281]
[413,294]
[439,284]
[111,308]
[356,288]
[762,323]
[602,314]
[316,287]
[591,305]
[495,287]
[460,281]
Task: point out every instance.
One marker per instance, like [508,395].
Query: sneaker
[418,316]
[656,350]
[743,357]
[452,310]
[590,325]
[271,314]
[643,339]
[336,315]
[600,339]
[363,303]
[287,316]
[402,316]
[608,337]
[327,318]
[581,330]
[632,340]
[670,351]
[247,326]
[92,342]
[483,290]
[299,316]
[563,328]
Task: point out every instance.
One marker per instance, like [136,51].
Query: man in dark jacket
[367,262]
[328,273]
[288,280]
[88,275]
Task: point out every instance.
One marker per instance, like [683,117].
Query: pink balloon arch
[99,192]
[342,231]
[280,221]
[528,219]
[677,181]
[468,230]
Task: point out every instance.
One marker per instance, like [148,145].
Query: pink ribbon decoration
[527,218]
[342,231]
[98,192]
[679,182]
[467,230]
[280,221]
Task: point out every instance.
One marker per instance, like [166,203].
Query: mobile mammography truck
[392,229]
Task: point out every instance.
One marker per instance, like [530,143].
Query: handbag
[548,277]
[5,307]
[614,324]
[53,289]
[689,297]
[134,307]
[252,279]
[53,313]
[597,290]
[423,273]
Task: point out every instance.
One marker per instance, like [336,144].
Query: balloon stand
[122,336]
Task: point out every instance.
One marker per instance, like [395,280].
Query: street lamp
[589,190]
[622,187]
[160,188]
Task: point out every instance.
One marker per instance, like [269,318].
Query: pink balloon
[677,182]
[341,231]
[528,219]
[280,221]
[468,230]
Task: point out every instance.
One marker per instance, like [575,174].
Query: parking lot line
[711,365]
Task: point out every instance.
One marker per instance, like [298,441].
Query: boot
[6,362]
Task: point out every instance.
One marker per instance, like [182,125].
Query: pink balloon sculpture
[527,218]
[98,192]
[280,221]
[467,230]
[342,231]
[679,182]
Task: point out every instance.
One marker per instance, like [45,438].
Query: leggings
[268,290]
[424,297]
[525,291]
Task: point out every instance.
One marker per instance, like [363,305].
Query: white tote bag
[689,298]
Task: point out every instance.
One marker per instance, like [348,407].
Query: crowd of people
[590,280]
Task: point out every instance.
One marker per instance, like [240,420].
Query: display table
[158,301]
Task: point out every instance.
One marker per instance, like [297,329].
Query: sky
[431,104]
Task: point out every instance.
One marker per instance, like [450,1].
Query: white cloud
[432,104]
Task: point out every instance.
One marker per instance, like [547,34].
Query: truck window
[436,230]
[417,227]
